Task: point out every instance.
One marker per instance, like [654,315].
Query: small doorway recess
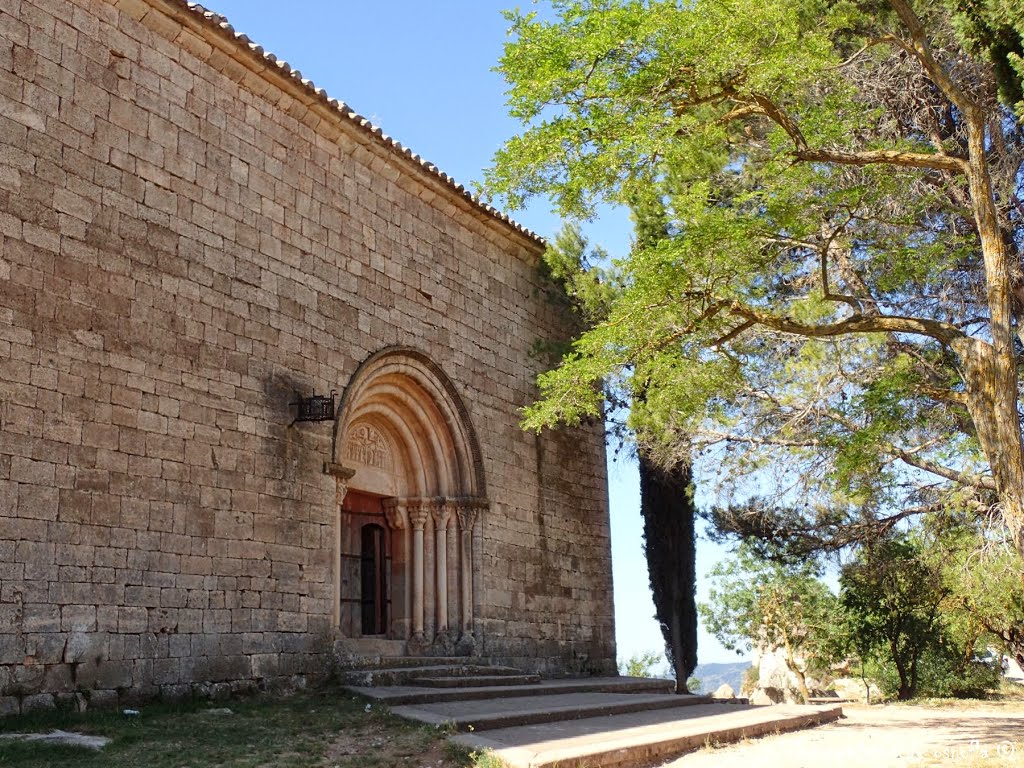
[365,567]
[374,580]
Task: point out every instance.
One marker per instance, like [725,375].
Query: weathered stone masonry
[188,236]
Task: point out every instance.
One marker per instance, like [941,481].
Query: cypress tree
[666,503]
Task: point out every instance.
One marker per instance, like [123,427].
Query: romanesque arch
[407,459]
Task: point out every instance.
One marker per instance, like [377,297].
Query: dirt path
[884,737]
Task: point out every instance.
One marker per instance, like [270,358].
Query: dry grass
[326,728]
[1009,696]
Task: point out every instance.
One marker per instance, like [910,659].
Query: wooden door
[366,566]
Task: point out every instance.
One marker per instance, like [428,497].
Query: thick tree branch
[733,333]
[781,118]
[919,48]
[942,395]
[884,157]
[805,153]
[942,332]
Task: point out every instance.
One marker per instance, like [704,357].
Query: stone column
[418,514]
[467,519]
[442,512]
[397,514]
[341,475]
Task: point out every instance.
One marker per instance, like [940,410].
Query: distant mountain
[712,676]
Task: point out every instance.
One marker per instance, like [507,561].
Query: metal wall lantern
[316,407]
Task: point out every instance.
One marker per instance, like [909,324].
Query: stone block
[38,702]
[27,679]
[58,678]
[166,672]
[12,647]
[176,693]
[44,649]
[101,699]
[114,674]
[10,705]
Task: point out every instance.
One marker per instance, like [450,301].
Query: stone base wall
[187,239]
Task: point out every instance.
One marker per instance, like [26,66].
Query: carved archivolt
[402,416]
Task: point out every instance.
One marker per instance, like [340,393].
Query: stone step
[477,681]
[639,738]
[367,662]
[414,693]
[406,675]
[513,710]
[396,662]
[417,694]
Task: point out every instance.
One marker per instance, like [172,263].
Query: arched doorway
[411,485]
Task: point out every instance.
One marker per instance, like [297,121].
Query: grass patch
[325,727]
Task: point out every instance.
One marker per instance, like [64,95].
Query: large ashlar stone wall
[186,239]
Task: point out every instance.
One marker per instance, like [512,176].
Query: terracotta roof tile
[220,23]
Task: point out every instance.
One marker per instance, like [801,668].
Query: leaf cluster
[794,307]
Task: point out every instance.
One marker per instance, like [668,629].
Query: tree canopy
[834,315]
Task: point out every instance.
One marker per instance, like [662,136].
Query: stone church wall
[188,236]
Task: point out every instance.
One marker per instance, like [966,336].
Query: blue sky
[423,72]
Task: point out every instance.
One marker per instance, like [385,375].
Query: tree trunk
[801,677]
[865,681]
[990,369]
[666,502]
[992,401]
[905,691]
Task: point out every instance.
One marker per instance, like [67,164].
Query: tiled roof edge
[220,24]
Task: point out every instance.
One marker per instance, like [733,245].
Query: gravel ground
[884,737]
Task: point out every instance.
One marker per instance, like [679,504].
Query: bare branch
[733,333]
[964,478]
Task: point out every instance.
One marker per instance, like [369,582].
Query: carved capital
[418,514]
[341,475]
[397,513]
[469,510]
[441,510]
[467,517]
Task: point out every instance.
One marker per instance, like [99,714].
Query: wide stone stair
[435,672]
[601,722]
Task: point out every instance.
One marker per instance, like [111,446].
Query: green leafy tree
[641,664]
[838,298]
[773,606]
[893,599]
[984,576]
